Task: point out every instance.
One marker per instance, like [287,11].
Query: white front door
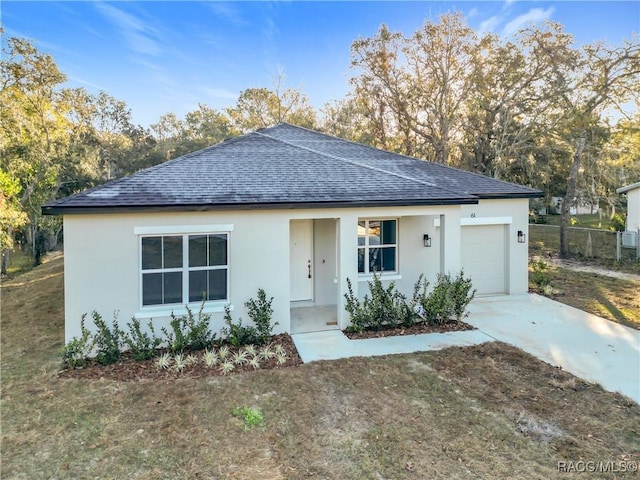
[300,259]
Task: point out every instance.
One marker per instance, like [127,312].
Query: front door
[300,260]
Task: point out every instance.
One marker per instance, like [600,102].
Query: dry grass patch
[611,298]
[489,411]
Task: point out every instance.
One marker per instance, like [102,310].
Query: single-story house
[292,211]
[633,206]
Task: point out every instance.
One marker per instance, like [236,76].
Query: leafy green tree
[11,215]
[260,108]
[33,132]
[596,79]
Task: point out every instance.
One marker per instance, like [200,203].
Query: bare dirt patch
[593,268]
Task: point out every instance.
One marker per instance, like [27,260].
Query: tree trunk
[571,194]
[5,261]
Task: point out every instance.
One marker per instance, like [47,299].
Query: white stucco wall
[633,210]
[518,253]
[102,263]
[102,255]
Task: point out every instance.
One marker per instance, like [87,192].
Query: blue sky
[170,56]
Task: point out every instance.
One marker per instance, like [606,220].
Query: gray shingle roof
[287,167]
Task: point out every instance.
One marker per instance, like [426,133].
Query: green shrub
[618,223]
[177,338]
[448,299]
[539,276]
[462,292]
[142,345]
[260,312]
[76,353]
[418,300]
[359,316]
[438,305]
[198,331]
[187,331]
[108,341]
[236,333]
[386,307]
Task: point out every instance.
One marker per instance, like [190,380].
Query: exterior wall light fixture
[522,237]
[426,240]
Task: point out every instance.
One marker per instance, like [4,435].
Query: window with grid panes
[180,269]
[377,246]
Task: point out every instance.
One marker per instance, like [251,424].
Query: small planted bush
[539,275]
[187,331]
[438,305]
[176,334]
[462,292]
[236,333]
[261,312]
[108,341]
[382,307]
[199,334]
[387,307]
[142,345]
[75,354]
[359,315]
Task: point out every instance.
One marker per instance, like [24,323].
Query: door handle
[309,266]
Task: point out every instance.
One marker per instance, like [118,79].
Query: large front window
[377,246]
[179,269]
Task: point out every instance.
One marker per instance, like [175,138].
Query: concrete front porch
[315,318]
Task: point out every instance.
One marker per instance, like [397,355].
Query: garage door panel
[484,257]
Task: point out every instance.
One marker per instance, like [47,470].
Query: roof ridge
[436,164]
[351,162]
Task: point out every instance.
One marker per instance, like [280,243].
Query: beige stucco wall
[102,255]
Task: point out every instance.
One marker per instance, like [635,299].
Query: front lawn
[489,411]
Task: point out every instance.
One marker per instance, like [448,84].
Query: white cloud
[490,24]
[220,93]
[535,15]
[227,12]
[139,35]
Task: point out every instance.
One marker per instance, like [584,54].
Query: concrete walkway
[333,344]
[583,344]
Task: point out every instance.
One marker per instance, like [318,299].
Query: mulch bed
[129,369]
[452,326]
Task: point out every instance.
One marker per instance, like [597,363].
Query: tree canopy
[532,108]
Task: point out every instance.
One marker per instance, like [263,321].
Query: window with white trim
[180,269]
[377,246]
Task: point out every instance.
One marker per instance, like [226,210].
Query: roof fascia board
[54,210]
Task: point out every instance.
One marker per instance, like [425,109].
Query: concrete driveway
[583,344]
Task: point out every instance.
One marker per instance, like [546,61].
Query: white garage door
[484,257]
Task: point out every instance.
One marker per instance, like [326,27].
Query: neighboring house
[290,210]
[633,206]
[578,208]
